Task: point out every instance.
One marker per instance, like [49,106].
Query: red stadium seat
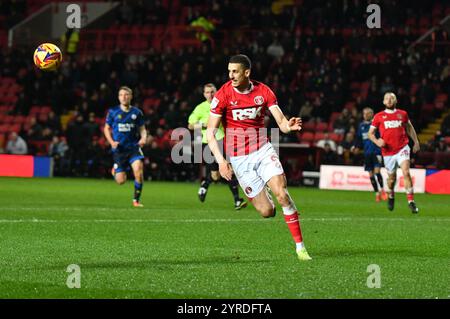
[322,127]
[336,137]
[19,119]
[15,128]
[7,119]
[4,128]
[309,127]
[447,140]
[318,136]
[2,140]
[306,137]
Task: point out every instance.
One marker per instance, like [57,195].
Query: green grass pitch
[177,247]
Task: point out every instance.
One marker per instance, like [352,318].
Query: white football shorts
[254,170]
[393,161]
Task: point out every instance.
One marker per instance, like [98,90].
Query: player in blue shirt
[125,131]
[372,154]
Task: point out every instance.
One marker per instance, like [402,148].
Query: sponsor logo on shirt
[392,124]
[246,114]
[125,127]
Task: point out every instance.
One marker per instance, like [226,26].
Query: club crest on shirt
[399,116]
[119,116]
[258,100]
[133,116]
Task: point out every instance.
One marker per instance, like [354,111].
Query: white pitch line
[203,220]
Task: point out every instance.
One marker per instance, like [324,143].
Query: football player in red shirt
[241,105]
[394,127]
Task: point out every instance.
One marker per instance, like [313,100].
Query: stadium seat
[447,140]
[2,140]
[309,127]
[7,119]
[15,128]
[306,137]
[336,137]
[4,128]
[322,127]
[318,136]
[19,119]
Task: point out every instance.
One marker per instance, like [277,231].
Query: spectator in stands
[76,139]
[59,150]
[95,156]
[16,145]
[345,147]
[310,164]
[445,126]
[306,112]
[426,92]
[275,49]
[53,123]
[387,85]
[35,131]
[442,145]
[341,124]
[91,128]
[329,157]
[326,140]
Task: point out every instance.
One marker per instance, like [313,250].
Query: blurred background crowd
[319,57]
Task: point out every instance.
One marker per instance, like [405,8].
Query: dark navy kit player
[125,132]
[373,160]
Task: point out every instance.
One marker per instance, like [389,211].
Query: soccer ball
[47,57]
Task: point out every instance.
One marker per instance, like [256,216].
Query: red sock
[410,197]
[294,226]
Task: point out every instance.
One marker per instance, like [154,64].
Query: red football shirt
[392,127]
[243,116]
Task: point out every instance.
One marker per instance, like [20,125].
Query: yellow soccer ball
[47,57]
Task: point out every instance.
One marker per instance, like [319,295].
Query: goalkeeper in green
[199,120]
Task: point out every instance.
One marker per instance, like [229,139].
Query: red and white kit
[252,156]
[392,127]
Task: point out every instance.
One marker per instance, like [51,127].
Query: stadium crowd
[333,64]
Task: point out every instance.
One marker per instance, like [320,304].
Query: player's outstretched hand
[295,123]
[141,143]
[114,144]
[416,147]
[225,170]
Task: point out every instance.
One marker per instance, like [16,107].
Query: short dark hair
[241,59]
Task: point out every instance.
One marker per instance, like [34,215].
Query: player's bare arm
[378,141]
[412,133]
[143,133]
[224,167]
[107,133]
[285,125]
